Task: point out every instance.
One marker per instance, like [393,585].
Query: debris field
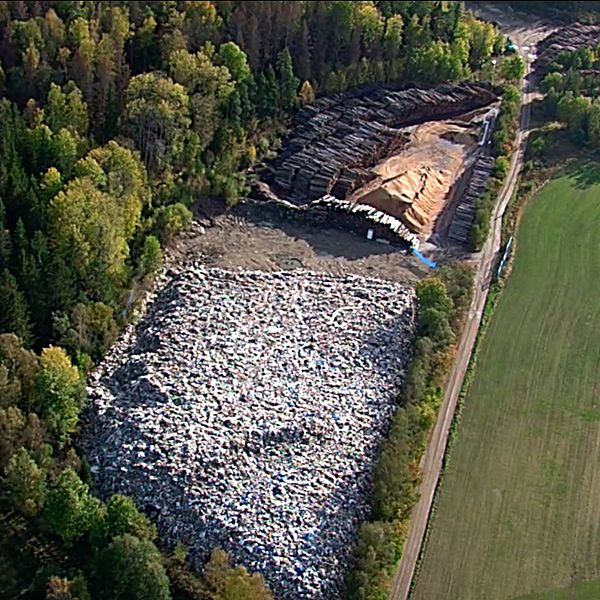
[246,410]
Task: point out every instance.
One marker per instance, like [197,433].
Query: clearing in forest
[518,510]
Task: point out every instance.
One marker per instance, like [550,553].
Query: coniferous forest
[116,120]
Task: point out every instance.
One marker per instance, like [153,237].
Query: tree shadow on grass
[585,173]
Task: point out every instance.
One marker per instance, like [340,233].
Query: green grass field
[518,513]
[584,590]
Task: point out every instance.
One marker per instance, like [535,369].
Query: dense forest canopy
[115,118]
[584,10]
[572,88]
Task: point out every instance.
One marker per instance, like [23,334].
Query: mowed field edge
[518,510]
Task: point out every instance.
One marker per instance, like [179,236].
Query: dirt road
[432,461]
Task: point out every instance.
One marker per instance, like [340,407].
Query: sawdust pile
[414,184]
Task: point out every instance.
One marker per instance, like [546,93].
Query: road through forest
[431,463]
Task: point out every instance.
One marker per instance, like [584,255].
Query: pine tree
[25,483]
[302,54]
[5,242]
[246,91]
[132,569]
[111,118]
[61,278]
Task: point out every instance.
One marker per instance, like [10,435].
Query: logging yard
[518,509]
[392,162]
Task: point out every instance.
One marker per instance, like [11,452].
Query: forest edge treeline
[443,301]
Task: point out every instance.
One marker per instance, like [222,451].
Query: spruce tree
[288,82]
[14,316]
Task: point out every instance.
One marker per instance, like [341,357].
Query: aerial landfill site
[246,408]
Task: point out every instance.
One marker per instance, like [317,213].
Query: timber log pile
[565,39]
[384,226]
[329,211]
[334,141]
[460,228]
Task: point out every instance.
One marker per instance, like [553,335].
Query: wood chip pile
[334,141]
[246,410]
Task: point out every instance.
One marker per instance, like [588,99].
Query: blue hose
[429,263]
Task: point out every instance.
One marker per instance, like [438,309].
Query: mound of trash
[245,410]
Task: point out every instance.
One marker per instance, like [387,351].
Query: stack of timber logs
[334,141]
[384,226]
[565,39]
[460,228]
[330,212]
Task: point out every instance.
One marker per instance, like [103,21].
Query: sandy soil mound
[413,185]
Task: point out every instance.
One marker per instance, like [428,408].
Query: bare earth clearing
[237,243]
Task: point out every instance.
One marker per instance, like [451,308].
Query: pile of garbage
[246,409]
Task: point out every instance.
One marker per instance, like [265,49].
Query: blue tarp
[429,263]
[503,261]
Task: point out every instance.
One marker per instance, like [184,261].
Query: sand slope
[413,184]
